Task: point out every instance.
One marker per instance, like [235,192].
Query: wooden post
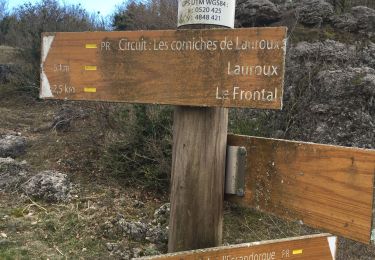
[198,174]
[198,169]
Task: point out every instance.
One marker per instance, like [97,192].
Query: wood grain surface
[326,187]
[198,171]
[314,247]
[216,67]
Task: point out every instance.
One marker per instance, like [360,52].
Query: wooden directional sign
[223,68]
[318,247]
[325,186]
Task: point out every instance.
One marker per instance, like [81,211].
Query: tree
[3,9]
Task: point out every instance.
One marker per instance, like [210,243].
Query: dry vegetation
[8,54]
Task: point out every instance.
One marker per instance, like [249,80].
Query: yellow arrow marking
[90,90]
[90,68]
[297,252]
[91,46]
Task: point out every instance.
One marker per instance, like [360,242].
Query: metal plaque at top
[216,12]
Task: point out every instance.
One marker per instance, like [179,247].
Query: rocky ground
[54,205]
[56,202]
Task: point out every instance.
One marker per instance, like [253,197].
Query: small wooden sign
[206,12]
[318,247]
[222,68]
[325,186]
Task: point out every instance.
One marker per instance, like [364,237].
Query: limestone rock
[124,252]
[12,146]
[329,95]
[65,116]
[112,246]
[342,107]
[360,19]
[314,12]
[256,12]
[134,230]
[368,55]
[365,17]
[161,215]
[51,186]
[155,231]
[12,174]
[346,22]
[329,51]
[139,231]
[157,235]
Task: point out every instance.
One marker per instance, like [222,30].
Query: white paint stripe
[47,43]
[45,90]
[332,242]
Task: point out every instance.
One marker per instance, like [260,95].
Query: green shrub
[245,122]
[139,148]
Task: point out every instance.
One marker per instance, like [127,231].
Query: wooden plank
[325,186]
[319,247]
[220,67]
[198,172]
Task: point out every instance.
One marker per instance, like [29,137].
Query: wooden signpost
[220,68]
[325,186]
[313,247]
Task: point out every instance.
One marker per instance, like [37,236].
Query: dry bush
[149,15]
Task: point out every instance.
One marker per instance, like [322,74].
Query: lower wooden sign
[319,247]
[324,186]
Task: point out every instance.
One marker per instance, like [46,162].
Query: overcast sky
[106,7]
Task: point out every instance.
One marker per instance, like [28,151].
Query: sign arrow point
[332,241]
[45,90]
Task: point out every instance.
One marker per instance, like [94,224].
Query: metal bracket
[235,170]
